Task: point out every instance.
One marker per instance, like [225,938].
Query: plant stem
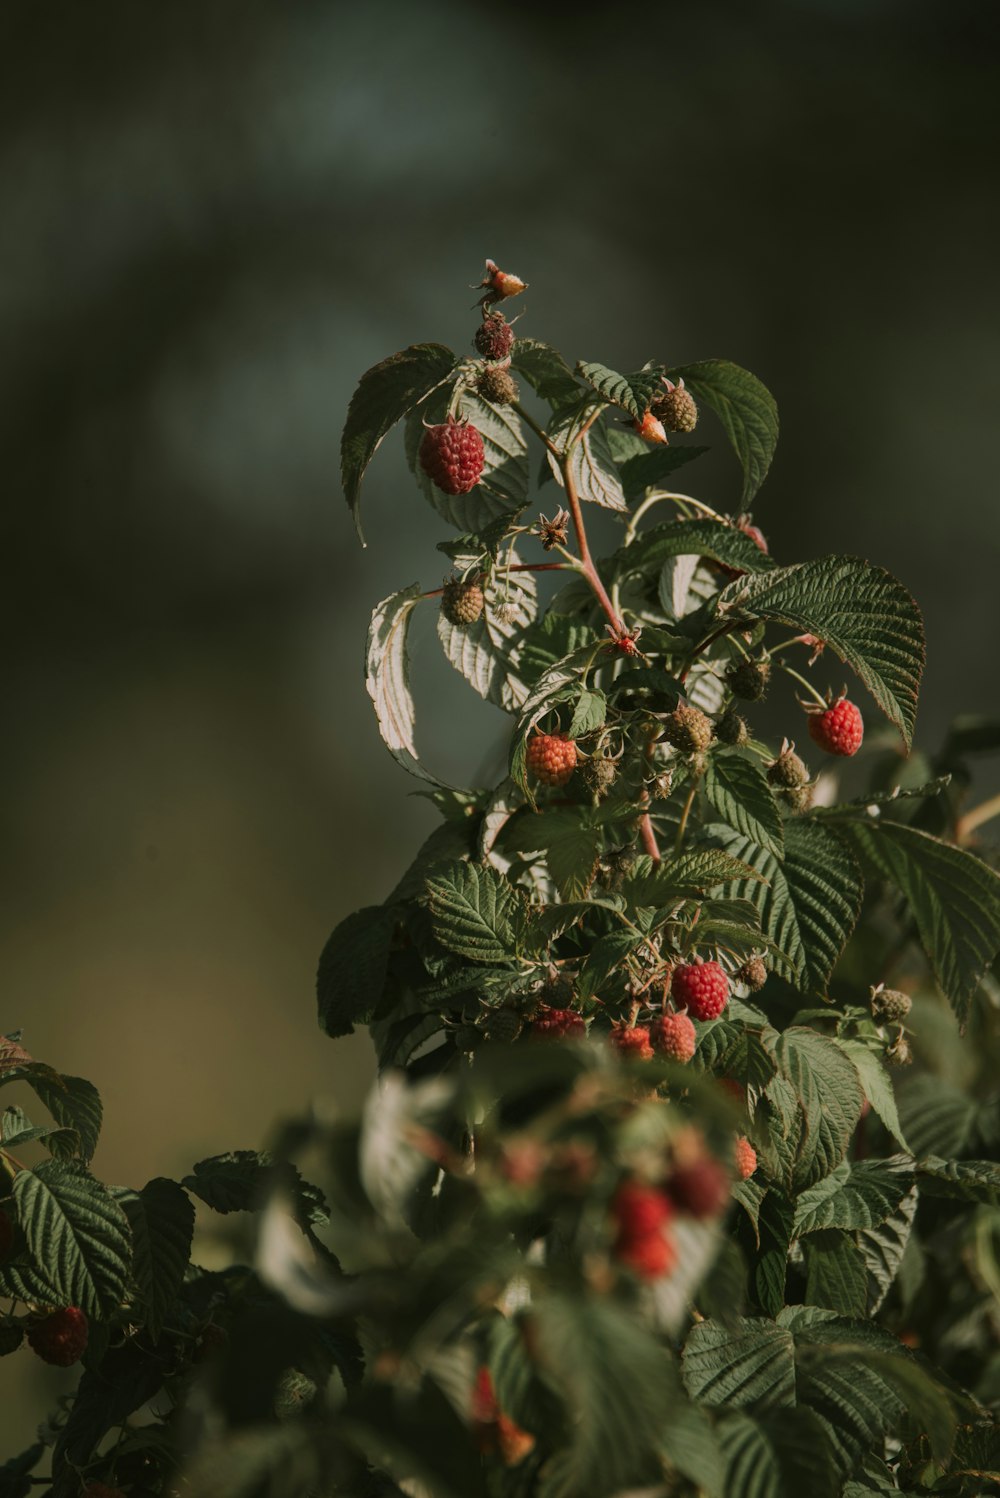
[814,694]
[587,561]
[539,431]
[984,812]
[723,629]
[648,836]
[682,828]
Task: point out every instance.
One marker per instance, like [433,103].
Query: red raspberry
[650,428]
[6,1235]
[700,1188]
[452,456]
[495,337]
[838,730]
[701,987]
[673,1035]
[745,1156]
[736,1090]
[650,1258]
[61,1338]
[639,1210]
[631,1041]
[559,1024]
[552,758]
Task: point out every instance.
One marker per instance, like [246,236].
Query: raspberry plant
[652,1194]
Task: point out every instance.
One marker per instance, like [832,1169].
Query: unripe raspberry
[798,798]
[494,337]
[503,1025]
[557,991]
[615,867]
[745,1157]
[732,728]
[701,987]
[899,1053]
[753,973]
[890,1005]
[749,679]
[673,1035]
[650,428]
[462,603]
[700,1188]
[787,770]
[599,772]
[11,1337]
[631,1041]
[676,408]
[452,455]
[559,1024]
[688,730]
[551,758]
[467,1037]
[838,730]
[61,1338]
[497,385]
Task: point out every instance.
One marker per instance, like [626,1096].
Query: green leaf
[18,1130]
[774,1230]
[829,1091]
[76,1233]
[750,1365]
[684,878]
[161,1217]
[738,790]
[860,1195]
[73,1102]
[965,1180]
[746,409]
[472,912]
[548,641]
[863,615]
[560,683]
[808,904]
[692,538]
[589,713]
[570,840]
[864,1384]
[387,678]
[633,393]
[352,969]
[591,463]
[546,371]
[384,395]
[781,1455]
[483,652]
[647,468]
[953,897]
[877,1084]
[883,1248]
[836,1276]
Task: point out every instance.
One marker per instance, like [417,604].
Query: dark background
[214,217]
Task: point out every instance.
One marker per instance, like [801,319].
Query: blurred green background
[215,216]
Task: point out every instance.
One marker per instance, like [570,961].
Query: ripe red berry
[61,1338]
[559,1024]
[838,730]
[700,1188]
[639,1210]
[701,987]
[673,1035]
[650,1258]
[551,758]
[745,1156]
[452,455]
[631,1041]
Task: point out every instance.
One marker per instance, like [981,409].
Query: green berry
[496,385]
[749,679]
[787,770]
[688,729]
[732,728]
[462,604]
[502,1025]
[890,1005]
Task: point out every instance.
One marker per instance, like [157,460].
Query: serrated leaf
[829,1091]
[632,393]
[774,1227]
[808,903]
[648,468]
[73,1102]
[738,790]
[750,1365]
[387,679]
[546,371]
[883,1248]
[352,969]
[472,912]
[877,1084]
[384,395]
[592,466]
[76,1233]
[859,1195]
[483,652]
[781,1455]
[862,613]
[237,1180]
[588,714]
[939,1118]
[685,878]
[570,840]
[953,897]
[699,538]
[964,1180]
[18,1130]
[558,684]
[161,1217]
[746,409]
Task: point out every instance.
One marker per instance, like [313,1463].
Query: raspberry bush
[681,1173]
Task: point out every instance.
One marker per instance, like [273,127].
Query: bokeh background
[215,215]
